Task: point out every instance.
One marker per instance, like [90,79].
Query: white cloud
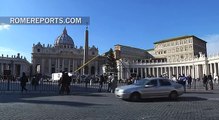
[212,43]
[4,26]
[8,51]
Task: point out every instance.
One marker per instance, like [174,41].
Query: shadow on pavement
[200,92]
[35,98]
[180,99]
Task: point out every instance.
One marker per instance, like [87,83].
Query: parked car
[150,88]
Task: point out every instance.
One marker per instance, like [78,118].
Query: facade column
[63,64]
[204,69]
[165,69]
[189,70]
[177,71]
[193,71]
[185,71]
[149,71]
[169,73]
[69,65]
[210,68]
[197,72]
[141,72]
[153,71]
[157,71]
[58,65]
[173,68]
[215,71]
[181,72]
[50,66]
[145,70]
[137,72]
[73,65]
[161,70]
[42,67]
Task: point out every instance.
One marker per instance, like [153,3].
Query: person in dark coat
[189,80]
[210,80]
[64,83]
[101,80]
[205,82]
[23,82]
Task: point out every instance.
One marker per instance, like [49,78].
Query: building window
[38,50]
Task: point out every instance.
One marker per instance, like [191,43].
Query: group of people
[65,81]
[182,79]
[208,81]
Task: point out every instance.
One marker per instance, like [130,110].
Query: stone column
[153,71]
[137,71]
[169,74]
[165,69]
[149,71]
[42,69]
[145,70]
[161,70]
[173,68]
[63,64]
[73,65]
[211,68]
[58,65]
[197,71]
[185,70]
[177,71]
[50,66]
[141,72]
[215,70]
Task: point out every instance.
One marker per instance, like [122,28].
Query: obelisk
[85,70]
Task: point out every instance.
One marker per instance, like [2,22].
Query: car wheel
[173,95]
[135,97]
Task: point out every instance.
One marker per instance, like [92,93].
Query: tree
[111,66]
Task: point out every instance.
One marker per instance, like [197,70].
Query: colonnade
[196,68]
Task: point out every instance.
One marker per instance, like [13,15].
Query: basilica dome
[64,40]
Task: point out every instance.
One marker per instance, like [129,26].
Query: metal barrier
[45,86]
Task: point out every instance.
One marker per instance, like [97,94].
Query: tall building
[63,56]
[180,49]
[182,55]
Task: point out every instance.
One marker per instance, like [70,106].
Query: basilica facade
[63,55]
[182,55]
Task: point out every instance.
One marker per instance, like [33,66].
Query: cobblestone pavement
[196,104]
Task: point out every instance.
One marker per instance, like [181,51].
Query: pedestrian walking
[205,82]
[23,82]
[64,83]
[189,80]
[114,83]
[182,81]
[210,80]
[109,81]
[101,80]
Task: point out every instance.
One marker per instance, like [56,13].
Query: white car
[150,88]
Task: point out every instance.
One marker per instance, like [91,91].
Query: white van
[56,76]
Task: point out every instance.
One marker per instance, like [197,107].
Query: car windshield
[141,82]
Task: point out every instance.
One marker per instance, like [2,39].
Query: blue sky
[137,23]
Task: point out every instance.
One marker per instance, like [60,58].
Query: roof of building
[177,38]
[149,49]
[129,47]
